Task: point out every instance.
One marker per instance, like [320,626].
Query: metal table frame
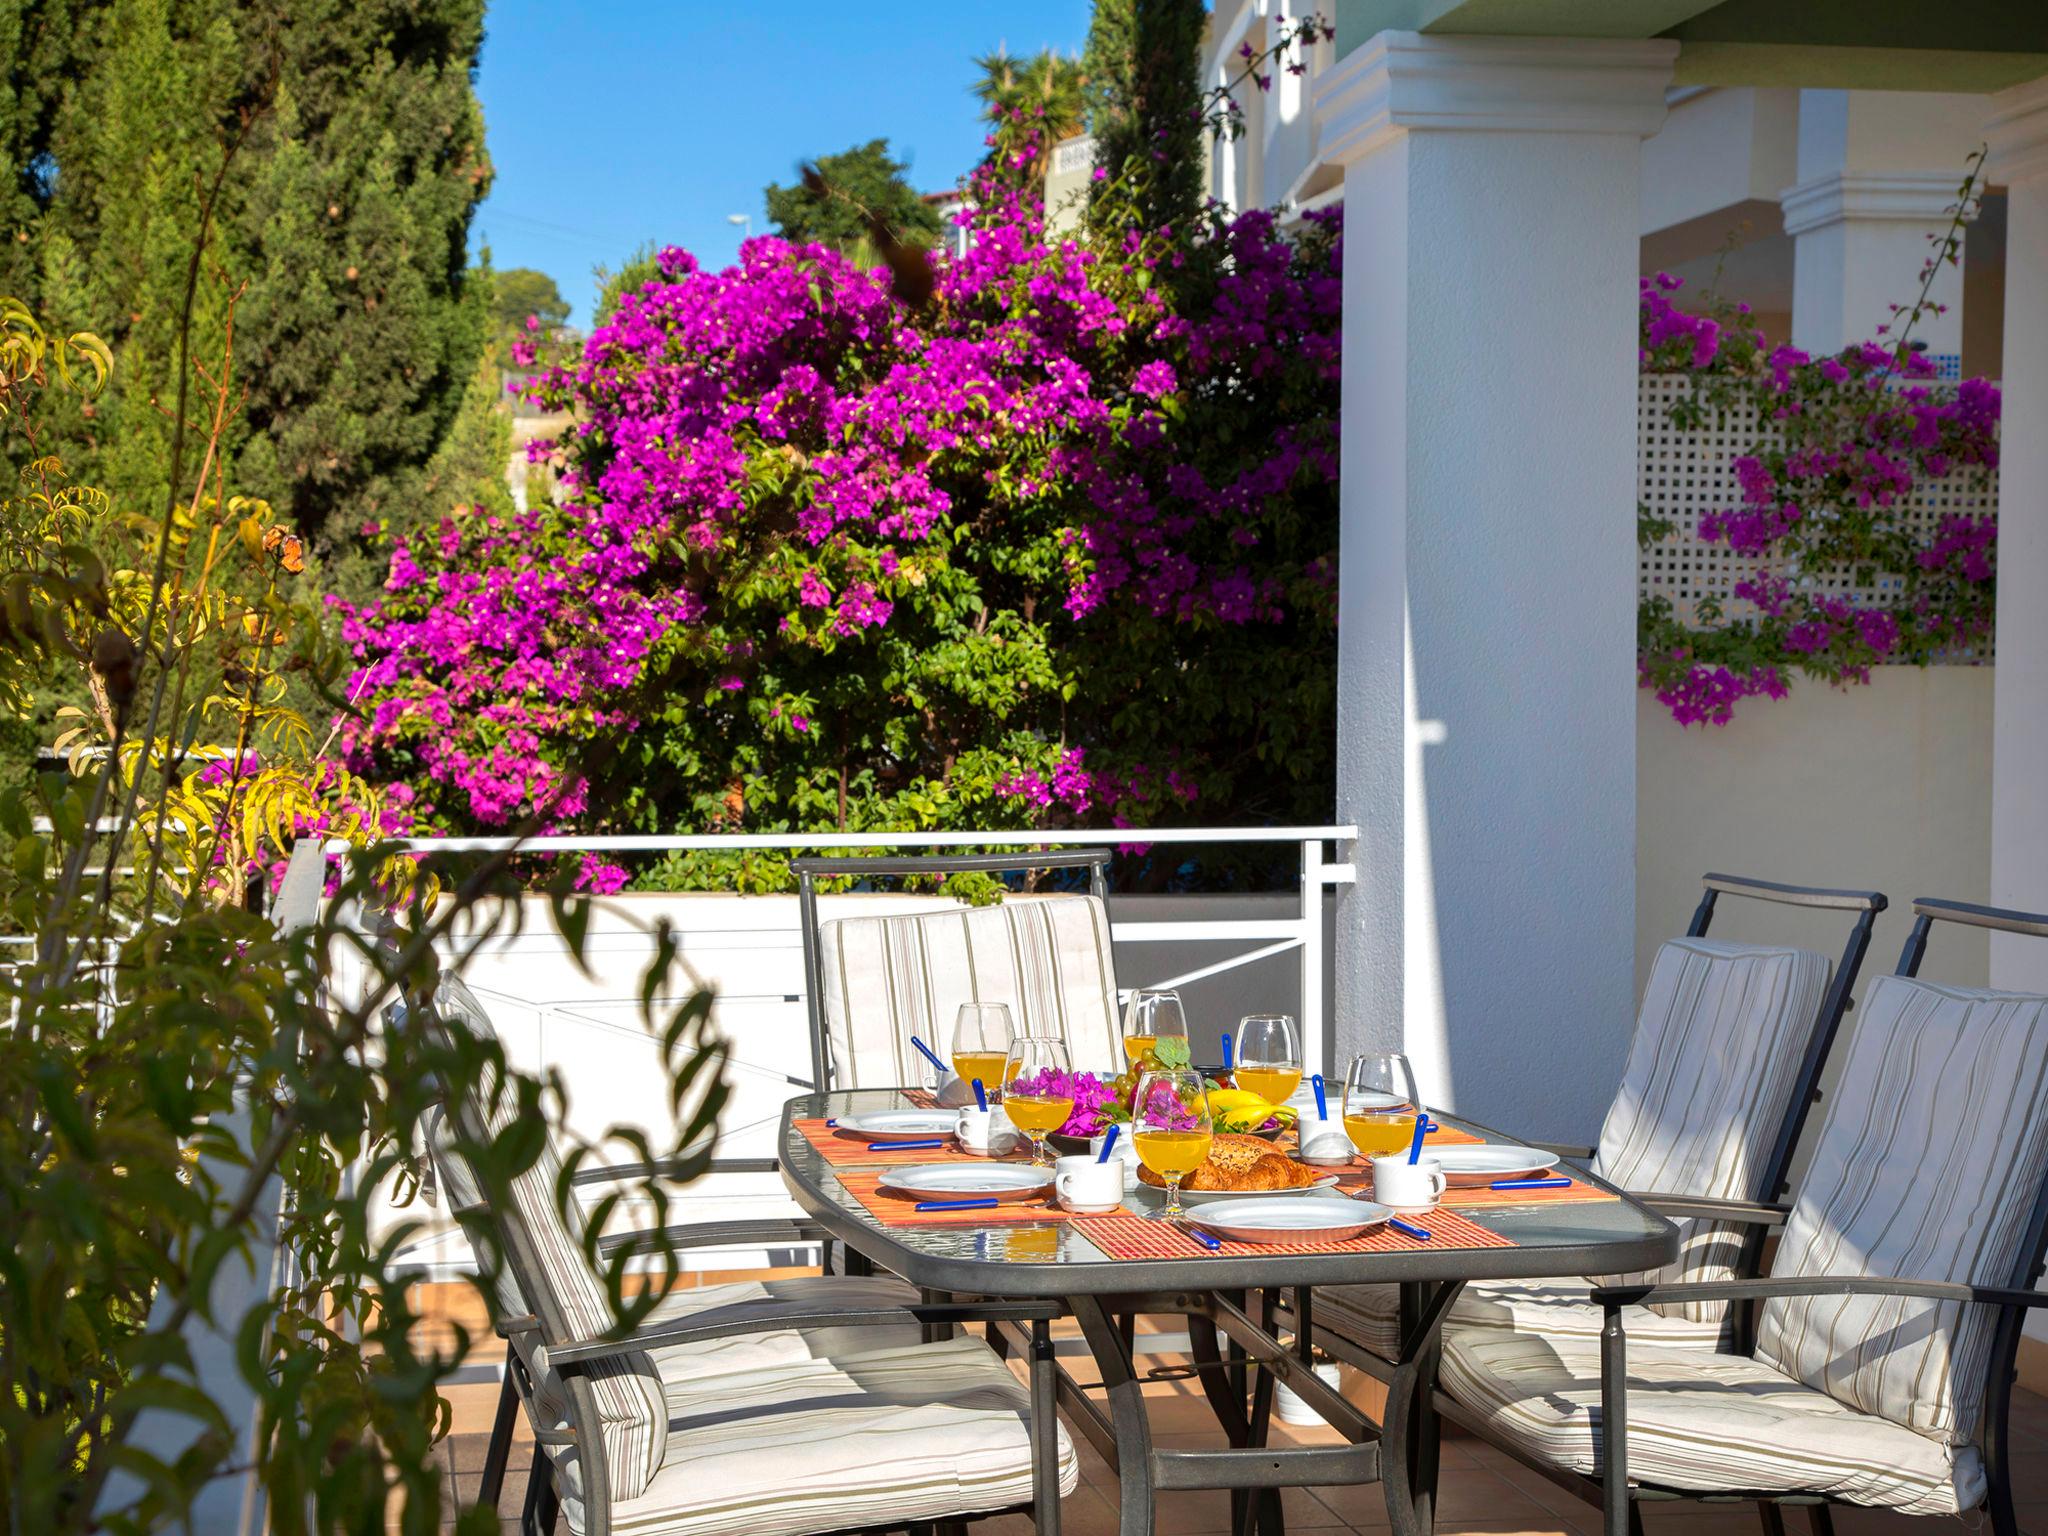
[1213,1294]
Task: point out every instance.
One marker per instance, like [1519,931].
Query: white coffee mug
[1407,1186]
[1083,1184]
[986,1132]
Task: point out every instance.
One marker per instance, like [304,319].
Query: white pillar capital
[1919,198]
[2016,132]
[1402,81]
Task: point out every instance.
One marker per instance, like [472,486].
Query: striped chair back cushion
[888,978]
[1929,1162]
[631,1406]
[463,1195]
[1709,1077]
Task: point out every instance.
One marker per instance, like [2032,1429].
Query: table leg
[1045,1432]
[1271,1520]
[1223,1383]
[1226,1401]
[1413,1437]
[1127,1414]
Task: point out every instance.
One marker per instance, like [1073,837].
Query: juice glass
[1171,1129]
[1038,1093]
[1268,1056]
[981,1044]
[1380,1104]
[1150,1019]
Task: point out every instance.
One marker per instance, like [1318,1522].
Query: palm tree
[1046,88]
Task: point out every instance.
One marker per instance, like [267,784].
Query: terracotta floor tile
[1463,1494]
[1886,1522]
[1482,1492]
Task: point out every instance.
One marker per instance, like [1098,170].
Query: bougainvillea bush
[1847,442]
[1054,547]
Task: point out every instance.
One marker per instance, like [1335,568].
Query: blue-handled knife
[957,1205]
[1530,1184]
[1413,1231]
[911,1146]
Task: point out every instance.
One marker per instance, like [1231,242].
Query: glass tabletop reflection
[1594,1237]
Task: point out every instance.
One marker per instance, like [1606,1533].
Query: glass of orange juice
[1150,1019]
[1038,1089]
[981,1044]
[1380,1104]
[1268,1056]
[1171,1129]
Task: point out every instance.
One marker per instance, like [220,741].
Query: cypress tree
[363,325]
[343,222]
[1145,104]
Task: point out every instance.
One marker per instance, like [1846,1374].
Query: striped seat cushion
[888,978]
[1706,1087]
[887,1438]
[1703,1422]
[1932,1154]
[1369,1315]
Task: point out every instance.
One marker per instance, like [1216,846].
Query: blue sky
[616,123]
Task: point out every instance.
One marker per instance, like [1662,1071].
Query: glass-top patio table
[1058,1259]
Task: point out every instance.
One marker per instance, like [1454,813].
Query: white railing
[583,1021]
[1302,933]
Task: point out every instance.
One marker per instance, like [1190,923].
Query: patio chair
[1884,1356]
[779,1409]
[873,982]
[1723,1068]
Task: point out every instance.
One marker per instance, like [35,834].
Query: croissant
[1241,1163]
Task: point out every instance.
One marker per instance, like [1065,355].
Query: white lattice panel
[1683,475]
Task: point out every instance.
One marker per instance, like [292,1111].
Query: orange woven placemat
[848,1150]
[1577,1193]
[1122,1235]
[893,1210]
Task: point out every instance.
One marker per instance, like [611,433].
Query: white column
[2017,132]
[1486,675]
[1879,173]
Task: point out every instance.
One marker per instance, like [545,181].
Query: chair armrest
[1613,1296]
[1754,1213]
[670,1167]
[712,1234]
[1576,1153]
[704,1326]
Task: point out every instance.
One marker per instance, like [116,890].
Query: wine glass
[981,1044]
[1380,1104]
[1038,1089]
[1151,1019]
[1268,1056]
[1171,1129]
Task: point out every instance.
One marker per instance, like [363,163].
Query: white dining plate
[1203,1196]
[1474,1164]
[1325,1218]
[900,1124]
[1006,1182]
[1304,1099]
